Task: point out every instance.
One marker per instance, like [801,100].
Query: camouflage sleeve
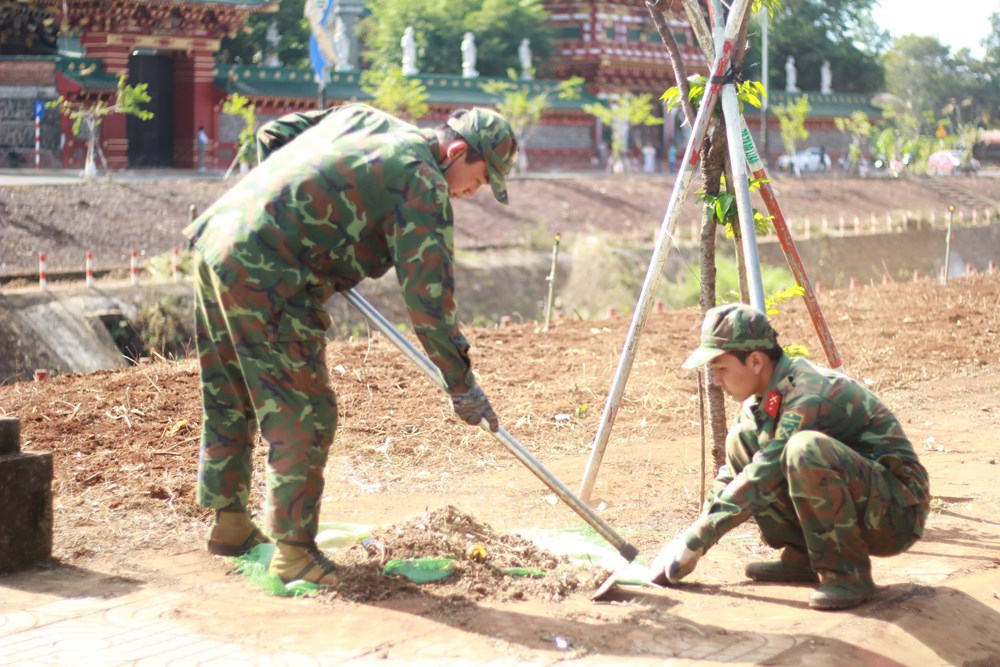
[422,252]
[272,136]
[754,488]
[722,480]
[744,421]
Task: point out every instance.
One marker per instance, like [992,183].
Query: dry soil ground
[125,452]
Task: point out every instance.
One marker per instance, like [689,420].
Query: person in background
[202,139]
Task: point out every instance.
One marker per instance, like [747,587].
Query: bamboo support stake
[681,186]
[551,278]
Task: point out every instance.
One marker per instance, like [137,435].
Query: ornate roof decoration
[28,27]
[88,73]
[161,17]
[827,104]
[288,83]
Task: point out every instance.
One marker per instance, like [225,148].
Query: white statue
[825,78]
[469,56]
[272,38]
[524,54]
[342,45]
[790,75]
[409,44]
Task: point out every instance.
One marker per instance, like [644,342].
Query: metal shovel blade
[602,591]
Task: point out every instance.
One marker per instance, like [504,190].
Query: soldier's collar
[432,141]
[770,401]
[781,370]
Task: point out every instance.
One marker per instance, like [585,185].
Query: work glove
[675,562]
[472,407]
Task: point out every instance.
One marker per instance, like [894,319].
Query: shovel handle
[627,551]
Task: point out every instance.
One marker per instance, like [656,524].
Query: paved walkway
[198,616]
[185,610]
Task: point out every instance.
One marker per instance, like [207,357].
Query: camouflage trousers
[835,504]
[257,372]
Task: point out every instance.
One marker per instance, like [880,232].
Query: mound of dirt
[486,563]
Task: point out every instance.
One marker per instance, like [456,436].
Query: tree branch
[680,71]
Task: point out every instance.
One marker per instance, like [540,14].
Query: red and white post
[89,268]
[42,281]
[38,141]
[134,267]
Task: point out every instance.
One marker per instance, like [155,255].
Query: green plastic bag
[420,570]
[523,572]
[254,566]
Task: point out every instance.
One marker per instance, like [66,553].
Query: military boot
[841,591]
[793,566]
[293,561]
[234,534]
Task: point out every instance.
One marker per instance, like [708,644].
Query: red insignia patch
[772,403]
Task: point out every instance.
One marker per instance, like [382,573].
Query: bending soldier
[340,195]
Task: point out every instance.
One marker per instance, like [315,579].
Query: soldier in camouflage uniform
[340,195]
[818,460]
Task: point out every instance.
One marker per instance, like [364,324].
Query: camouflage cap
[489,134]
[730,328]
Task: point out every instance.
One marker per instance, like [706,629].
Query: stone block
[25,502]
[10,435]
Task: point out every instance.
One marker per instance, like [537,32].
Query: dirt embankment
[113,218]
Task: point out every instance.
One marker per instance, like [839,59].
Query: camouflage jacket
[801,397]
[340,195]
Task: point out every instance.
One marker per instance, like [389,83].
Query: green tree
[904,137]
[128,100]
[931,79]
[239,105]
[713,161]
[921,71]
[524,110]
[859,127]
[992,43]
[964,139]
[839,31]
[621,116]
[247,47]
[792,120]
[394,93]
[499,26]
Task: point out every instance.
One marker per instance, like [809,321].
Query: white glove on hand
[675,562]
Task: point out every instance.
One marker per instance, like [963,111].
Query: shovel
[627,551]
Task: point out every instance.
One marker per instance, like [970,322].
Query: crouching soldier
[817,459]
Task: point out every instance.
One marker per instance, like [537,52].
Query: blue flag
[319,13]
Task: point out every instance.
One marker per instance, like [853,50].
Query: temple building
[78,48]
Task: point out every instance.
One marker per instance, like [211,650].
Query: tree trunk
[90,165]
[713,160]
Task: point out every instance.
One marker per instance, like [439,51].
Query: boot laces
[320,559]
